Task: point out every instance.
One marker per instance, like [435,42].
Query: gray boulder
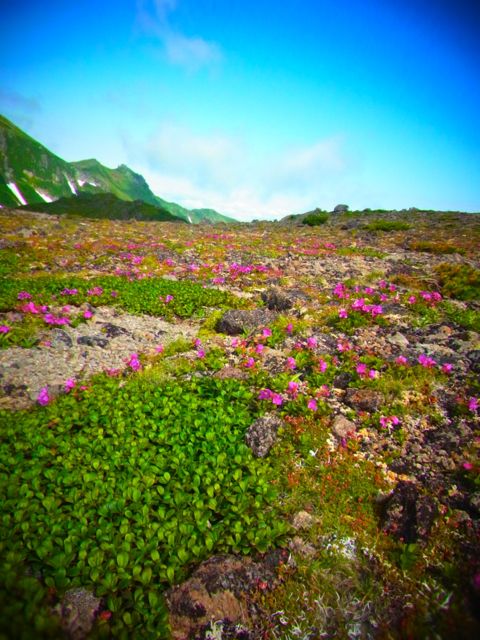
[238,321]
[262,435]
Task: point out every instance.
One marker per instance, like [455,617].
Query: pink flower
[277,399]
[266,333]
[373,373]
[265,394]
[289,327]
[361,369]
[312,404]
[322,365]
[87,314]
[473,404]
[447,368]
[342,313]
[4,328]
[69,384]
[24,295]
[344,345]
[160,348]
[401,360]
[96,291]
[386,421]
[134,362]
[200,353]
[43,398]
[259,348]
[292,388]
[426,361]
[291,364]
[168,298]
[412,300]
[250,363]
[311,342]
[468,466]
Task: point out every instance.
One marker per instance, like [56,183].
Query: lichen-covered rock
[303,520]
[342,427]
[262,434]
[281,299]
[237,321]
[408,515]
[363,399]
[217,591]
[77,612]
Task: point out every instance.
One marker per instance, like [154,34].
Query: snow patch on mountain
[45,196]
[71,185]
[16,192]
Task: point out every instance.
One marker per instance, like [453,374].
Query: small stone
[262,435]
[237,321]
[303,520]
[398,340]
[342,427]
[77,612]
[363,399]
[305,549]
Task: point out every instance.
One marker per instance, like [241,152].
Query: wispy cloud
[15,100]
[190,52]
[216,169]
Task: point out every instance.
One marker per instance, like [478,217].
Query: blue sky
[257,108]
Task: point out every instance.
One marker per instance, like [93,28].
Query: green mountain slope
[31,174]
[104,206]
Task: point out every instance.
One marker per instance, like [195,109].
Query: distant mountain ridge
[30,174]
[104,206]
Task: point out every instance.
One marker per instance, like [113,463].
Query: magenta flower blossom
[277,399]
[4,328]
[322,365]
[159,348]
[387,421]
[24,295]
[401,360]
[291,364]
[168,298]
[250,363]
[361,369]
[200,353]
[311,342]
[342,313]
[87,314]
[447,368]
[289,327]
[43,398]
[426,361]
[265,394]
[468,466]
[473,404]
[292,388]
[96,291]
[259,348]
[312,404]
[69,384]
[114,294]
[373,373]
[134,362]
[266,333]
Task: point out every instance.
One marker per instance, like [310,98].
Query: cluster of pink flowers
[43,398]
[96,291]
[292,391]
[24,295]
[363,371]
[69,292]
[473,404]
[389,421]
[426,361]
[49,318]
[134,362]
[4,328]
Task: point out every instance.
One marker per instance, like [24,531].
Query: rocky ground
[362,346]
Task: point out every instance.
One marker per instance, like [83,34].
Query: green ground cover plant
[124,487]
[387,225]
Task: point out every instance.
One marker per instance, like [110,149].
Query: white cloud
[190,52]
[221,171]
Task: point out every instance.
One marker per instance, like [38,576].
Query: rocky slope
[360,344]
